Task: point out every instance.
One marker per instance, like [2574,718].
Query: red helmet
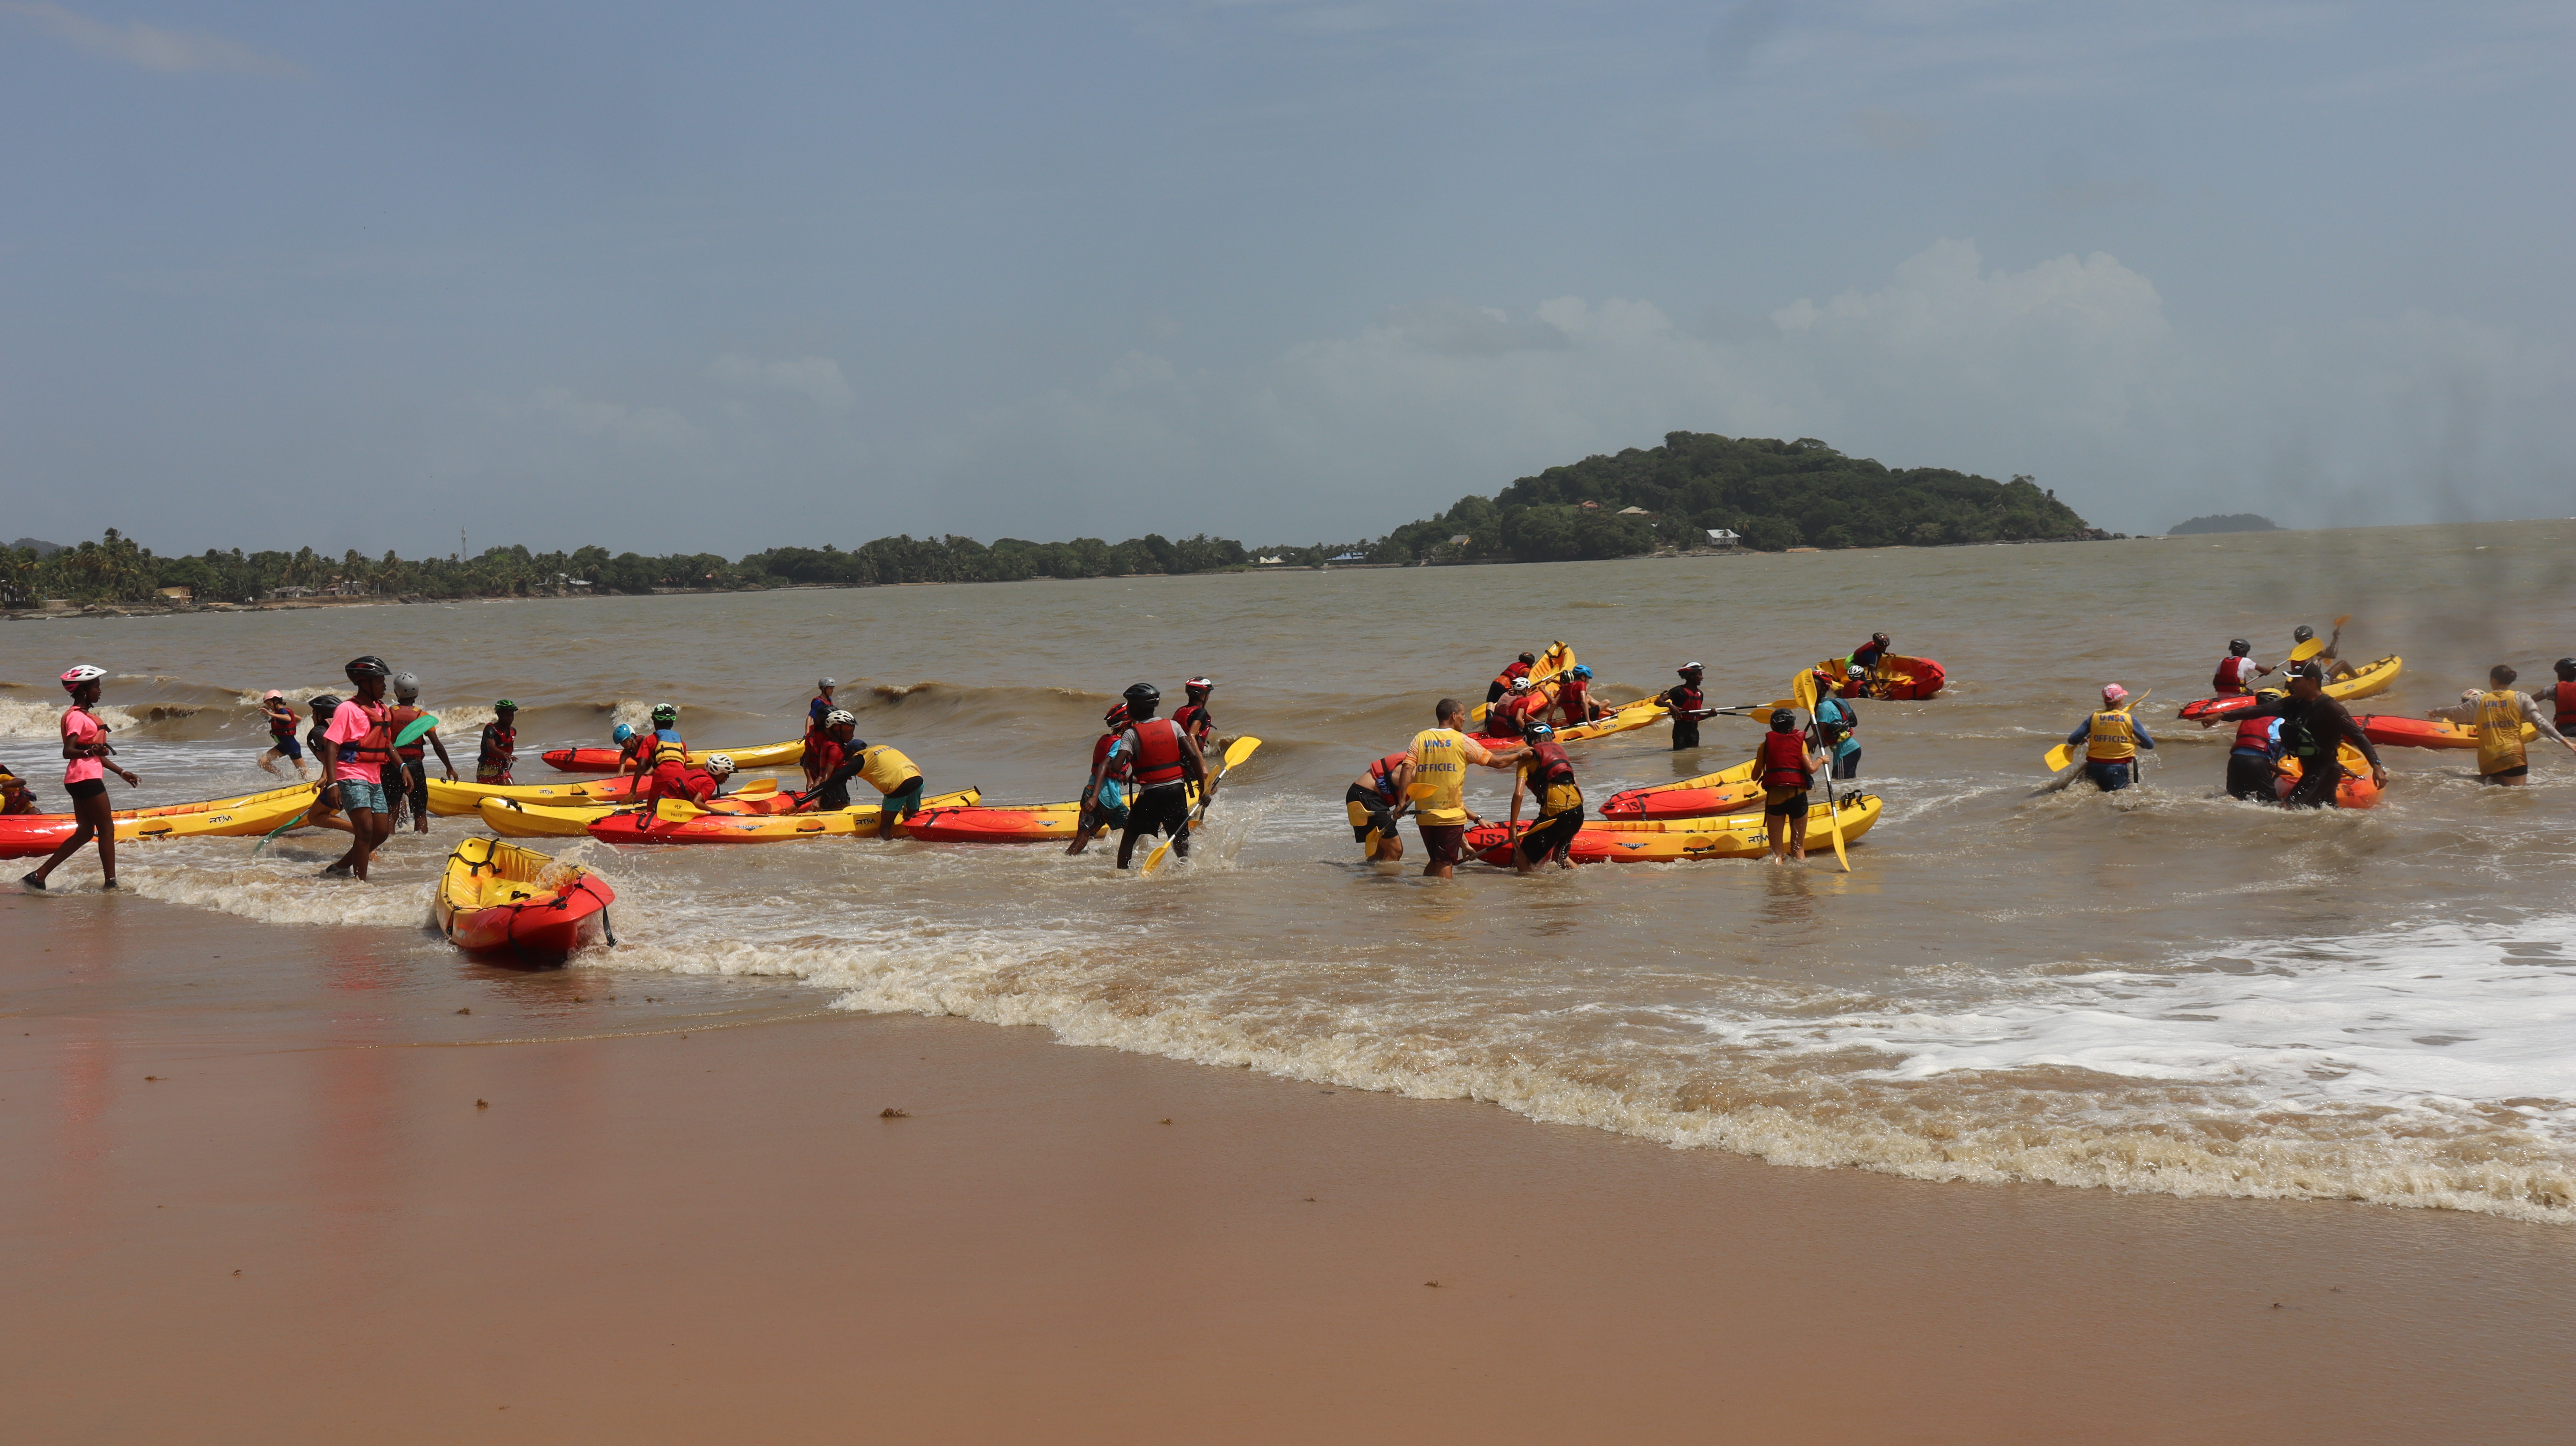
[1200,687]
[1116,717]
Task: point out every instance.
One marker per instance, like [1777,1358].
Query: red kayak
[605,760]
[1031,823]
[1683,802]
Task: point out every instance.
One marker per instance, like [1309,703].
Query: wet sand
[386,1221]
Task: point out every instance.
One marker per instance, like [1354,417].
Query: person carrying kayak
[2313,729]
[1687,704]
[2498,714]
[280,717]
[1550,778]
[356,750]
[1439,757]
[2237,671]
[499,744]
[2254,759]
[2111,739]
[817,708]
[1838,731]
[1786,767]
[882,766]
[1519,668]
[409,773]
[1574,703]
[85,768]
[1374,801]
[1193,716]
[1166,761]
[1104,804]
[2328,663]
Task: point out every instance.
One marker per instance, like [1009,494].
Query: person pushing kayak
[817,708]
[1439,757]
[86,764]
[1518,668]
[499,744]
[2237,671]
[2111,739]
[409,772]
[1374,801]
[1838,730]
[280,717]
[1549,776]
[1193,716]
[1866,657]
[1104,803]
[881,765]
[2314,728]
[1574,705]
[1166,761]
[357,749]
[1785,765]
[1687,704]
[2498,714]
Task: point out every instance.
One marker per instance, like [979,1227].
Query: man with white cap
[2111,740]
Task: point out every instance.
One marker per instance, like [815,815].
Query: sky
[675,277]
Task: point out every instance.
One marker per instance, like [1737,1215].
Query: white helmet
[82,673]
[406,684]
[719,764]
[827,682]
[1520,685]
[839,716]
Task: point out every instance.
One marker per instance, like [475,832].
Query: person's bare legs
[97,820]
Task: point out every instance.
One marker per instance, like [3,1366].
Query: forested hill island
[1769,495]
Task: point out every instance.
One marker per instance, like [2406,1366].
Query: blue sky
[665,276]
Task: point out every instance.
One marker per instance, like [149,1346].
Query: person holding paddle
[2304,647]
[1549,776]
[1166,759]
[2237,671]
[1374,801]
[407,777]
[1687,704]
[2111,739]
[1785,764]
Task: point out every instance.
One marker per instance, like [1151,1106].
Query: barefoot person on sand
[355,750]
[2499,714]
[85,746]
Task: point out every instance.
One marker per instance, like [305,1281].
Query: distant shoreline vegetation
[2228,522]
[1771,495]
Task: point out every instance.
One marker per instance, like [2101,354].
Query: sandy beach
[393,1221]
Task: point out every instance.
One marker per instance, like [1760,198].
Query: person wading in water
[500,744]
[1193,716]
[2498,714]
[1687,704]
[2111,740]
[1550,776]
[85,769]
[408,779]
[2313,728]
[1374,801]
[1439,758]
[1166,760]
[817,709]
[355,750]
[1786,767]
[280,717]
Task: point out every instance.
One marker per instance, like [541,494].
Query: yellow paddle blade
[1420,791]
[2060,756]
[672,810]
[1802,693]
[2306,650]
[1235,752]
[1834,813]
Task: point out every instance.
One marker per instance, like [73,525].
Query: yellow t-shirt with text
[1440,759]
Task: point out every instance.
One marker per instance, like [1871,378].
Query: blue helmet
[622,732]
[1583,670]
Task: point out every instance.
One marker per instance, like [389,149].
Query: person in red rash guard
[1193,716]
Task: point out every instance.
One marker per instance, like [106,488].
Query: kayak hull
[2390,730]
[1897,678]
[33,835]
[449,799]
[512,818]
[495,897]
[670,823]
[1738,836]
[605,760]
[1632,803]
[2356,790]
[2366,682]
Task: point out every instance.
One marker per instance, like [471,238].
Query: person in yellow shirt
[885,769]
[1440,757]
[2499,715]
[2111,739]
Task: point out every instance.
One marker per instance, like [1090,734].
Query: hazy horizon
[666,279]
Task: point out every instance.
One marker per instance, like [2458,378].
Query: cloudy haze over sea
[662,276]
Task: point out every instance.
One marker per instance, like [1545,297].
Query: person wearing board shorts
[1440,757]
[281,719]
[1786,767]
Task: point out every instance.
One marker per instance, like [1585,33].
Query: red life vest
[1784,761]
[1382,774]
[2254,735]
[1572,701]
[1158,752]
[376,749]
[1120,771]
[2564,695]
[1550,764]
[498,743]
[400,716]
[1194,718]
[828,757]
[2230,679]
[1683,698]
[1516,670]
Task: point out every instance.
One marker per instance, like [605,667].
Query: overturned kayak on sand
[447,799]
[1734,836]
[605,760]
[497,897]
[2366,682]
[31,835]
[670,822]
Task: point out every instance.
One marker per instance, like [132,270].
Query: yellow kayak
[671,822]
[29,835]
[1627,717]
[513,818]
[496,897]
[1664,841]
[448,800]
[1544,675]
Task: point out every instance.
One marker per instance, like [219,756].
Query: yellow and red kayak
[498,898]
[29,835]
[511,818]
[1664,841]
[679,823]
[1710,793]
[2368,681]
[605,760]
[447,799]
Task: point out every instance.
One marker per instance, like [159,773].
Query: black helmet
[369,666]
[665,713]
[1783,719]
[2302,633]
[2238,647]
[1143,693]
[322,703]
[1530,658]
[2566,668]
[1538,732]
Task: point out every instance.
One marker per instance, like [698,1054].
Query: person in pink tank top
[86,750]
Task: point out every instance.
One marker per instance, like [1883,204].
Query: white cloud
[644,430]
[149,46]
[817,379]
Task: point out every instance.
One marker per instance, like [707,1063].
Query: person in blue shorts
[281,719]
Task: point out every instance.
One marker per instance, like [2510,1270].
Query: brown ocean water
[2162,990]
